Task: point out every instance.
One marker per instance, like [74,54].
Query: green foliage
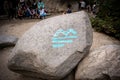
[107,19]
[109,8]
[107,26]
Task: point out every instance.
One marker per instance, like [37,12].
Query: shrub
[107,26]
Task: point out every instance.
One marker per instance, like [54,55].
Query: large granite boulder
[53,47]
[101,64]
[7,40]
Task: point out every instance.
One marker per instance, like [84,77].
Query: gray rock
[70,76]
[100,39]
[53,47]
[101,64]
[7,40]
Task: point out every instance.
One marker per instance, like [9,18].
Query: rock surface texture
[101,64]
[7,40]
[53,47]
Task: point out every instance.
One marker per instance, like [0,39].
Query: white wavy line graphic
[66,33]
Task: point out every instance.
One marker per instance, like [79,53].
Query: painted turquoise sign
[62,37]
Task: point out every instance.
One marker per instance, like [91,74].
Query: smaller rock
[7,40]
[101,64]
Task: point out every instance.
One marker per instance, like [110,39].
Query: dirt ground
[18,28]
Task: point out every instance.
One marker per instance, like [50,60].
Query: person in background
[10,10]
[94,9]
[40,4]
[69,9]
[79,5]
[34,9]
[28,12]
[83,4]
[20,13]
[42,13]
[88,8]
[22,3]
[34,4]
